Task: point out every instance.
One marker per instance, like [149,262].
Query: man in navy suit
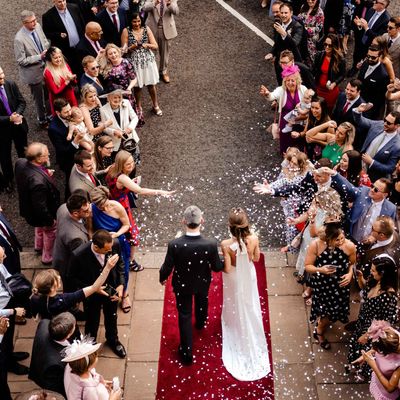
[113,21]
[343,111]
[13,127]
[91,75]
[374,78]
[191,258]
[381,149]
[10,244]
[374,24]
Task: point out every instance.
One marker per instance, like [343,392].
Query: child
[300,113]
[76,124]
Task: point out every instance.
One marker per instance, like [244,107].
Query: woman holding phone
[329,260]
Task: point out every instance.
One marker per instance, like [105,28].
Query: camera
[277,20]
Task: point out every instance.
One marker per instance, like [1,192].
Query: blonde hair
[297,77]
[59,72]
[120,160]
[86,89]
[44,282]
[99,195]
[74,112]
[350,135]
[329,201]
[104,63]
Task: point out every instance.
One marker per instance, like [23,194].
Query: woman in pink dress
[59,78]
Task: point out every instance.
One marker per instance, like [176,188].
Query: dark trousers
[16,134]
[4,389]
[184,306]
[92,306]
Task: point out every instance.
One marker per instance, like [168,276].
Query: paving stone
[110,367]
[282,282]
[145,334]
[141,380]
[289,330]
[28,330]
[343,391]
[294,381]
[30,259]
[145,259]
[275,259]
[148,286]
[124,335]
[17,387]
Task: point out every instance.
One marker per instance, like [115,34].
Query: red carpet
[207,378]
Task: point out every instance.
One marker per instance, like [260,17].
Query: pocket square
[373,80]
[386,152]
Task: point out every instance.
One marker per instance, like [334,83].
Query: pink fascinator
[377,330]
[287,71]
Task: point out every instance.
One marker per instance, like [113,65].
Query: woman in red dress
[59,78]
[329,70]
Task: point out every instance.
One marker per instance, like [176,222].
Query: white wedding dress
[244,346]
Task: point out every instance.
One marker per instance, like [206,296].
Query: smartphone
[110,290]
[277,20]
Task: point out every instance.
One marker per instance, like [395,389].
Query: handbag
[20,286]
[296,242]
[130,144]
[274,127]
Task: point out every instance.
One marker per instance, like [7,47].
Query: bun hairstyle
[388,344]
[239,225]
[45,281]
[386,267]
[332,231]
[50,51]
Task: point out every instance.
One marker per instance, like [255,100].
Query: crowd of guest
[86,66]
[339,125]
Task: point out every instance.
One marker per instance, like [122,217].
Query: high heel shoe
[324,343]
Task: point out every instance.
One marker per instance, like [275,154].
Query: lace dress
[329,299]
[244,347]
[143,60]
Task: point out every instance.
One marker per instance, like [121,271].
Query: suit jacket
[386,158]
[394,53]
[77,181]
[84,48]
[291,42]
[191,258]
[374,88]
[69,236]
[38,196]
[12,247]
[379,27]
[100,89]
[65,150]
[53,26]
[110,32]
[30,63]
[361,201]
[84,267]
[153,16]
[17,104]
[47,369]
[128,119]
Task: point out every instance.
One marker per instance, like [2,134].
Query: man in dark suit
[381,148]
[87,263]
[10,244]
[113,21]
[374,24]
[13,127]
[51,337]
[288,35]
[374,78]
[343,111]
[191,258]
[64,26]
[38,197]
[91,75]
[58,131]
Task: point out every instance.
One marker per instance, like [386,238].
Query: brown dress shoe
[165,78]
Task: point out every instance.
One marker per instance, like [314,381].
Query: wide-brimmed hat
[116,90]
[80,349]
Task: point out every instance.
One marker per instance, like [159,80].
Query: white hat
[80,349]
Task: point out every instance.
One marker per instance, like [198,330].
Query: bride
[244,347]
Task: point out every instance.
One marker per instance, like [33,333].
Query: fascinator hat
[80,349]
[287,71]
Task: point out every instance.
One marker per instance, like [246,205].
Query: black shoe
[18,369]
[186,358]
[118,348]
[20,355]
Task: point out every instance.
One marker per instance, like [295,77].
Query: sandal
[324,344]
[135,267]
[157,111]
[127,307]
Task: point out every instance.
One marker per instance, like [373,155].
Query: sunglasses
[375,189]
[372,57]
[388,122]
[327,45]
[390,27]
[94,68]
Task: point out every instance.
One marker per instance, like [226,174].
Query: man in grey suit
[30,46]
[161,21]
[82,173]
[71,231]
[393,38]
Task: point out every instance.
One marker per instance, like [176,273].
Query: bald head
[93,31]
[37,153]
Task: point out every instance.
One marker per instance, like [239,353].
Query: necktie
[98,82]
[372,20]
[5,284]
[346,107]
[114,17]
[92,179]
[96,43]
[37,41]
[378,143]
[390,43]
[3,98]
[161,12]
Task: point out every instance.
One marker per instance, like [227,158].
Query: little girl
[299,115]
[76,124]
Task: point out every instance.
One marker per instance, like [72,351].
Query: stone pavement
[302,369]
